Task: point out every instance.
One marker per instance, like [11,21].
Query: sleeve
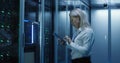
[87,38]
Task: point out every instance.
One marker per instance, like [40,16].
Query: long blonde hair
[82,15]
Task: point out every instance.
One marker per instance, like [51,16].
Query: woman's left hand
[67,39]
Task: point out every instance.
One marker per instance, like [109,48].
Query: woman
[82,40]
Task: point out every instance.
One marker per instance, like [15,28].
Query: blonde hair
[82,15]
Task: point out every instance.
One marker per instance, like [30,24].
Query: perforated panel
[9,29]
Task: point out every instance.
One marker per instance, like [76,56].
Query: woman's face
[75,21]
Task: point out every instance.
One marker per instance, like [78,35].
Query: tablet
[56,35]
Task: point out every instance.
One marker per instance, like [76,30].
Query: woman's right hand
[61,42]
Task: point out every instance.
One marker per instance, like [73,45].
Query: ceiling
[104,1]
[91,3]
[72,2]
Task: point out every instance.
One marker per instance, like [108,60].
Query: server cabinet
[31,31]
[46,34]
[100,48]
[31,22]
[115,37]
[11,32]
[101,44]
[61,27]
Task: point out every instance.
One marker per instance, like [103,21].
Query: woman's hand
[67,39]
[61,42]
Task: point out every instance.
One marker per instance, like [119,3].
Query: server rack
[11,32]
[31,31]
[109,12]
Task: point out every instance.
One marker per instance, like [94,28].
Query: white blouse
[82,42]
